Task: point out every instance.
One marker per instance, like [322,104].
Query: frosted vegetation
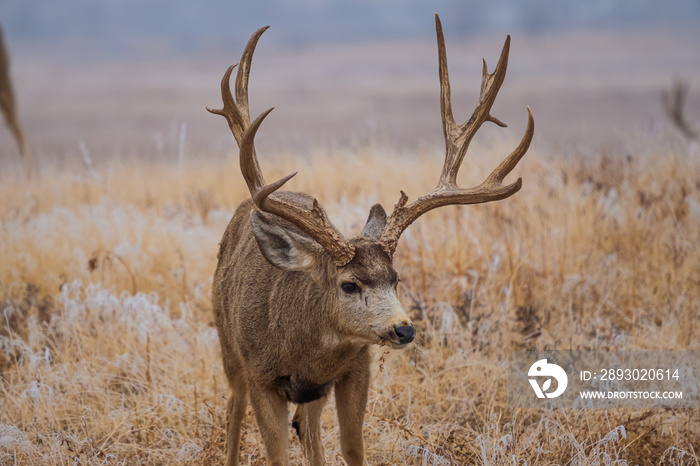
[108,354]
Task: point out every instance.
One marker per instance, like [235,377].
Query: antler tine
[457,139]
[313,221]
[509,163]
[244,72]
[258,192]
[230,110]
[237,114]
[449,126]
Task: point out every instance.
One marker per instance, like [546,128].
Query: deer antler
[457,139]
[313,221]
[673,104]
[8,107]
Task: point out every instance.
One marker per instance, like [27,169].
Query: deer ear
[375,223]
[283,248]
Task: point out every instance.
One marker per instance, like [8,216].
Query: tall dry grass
[108,353]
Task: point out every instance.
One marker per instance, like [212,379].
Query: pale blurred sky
[116,26]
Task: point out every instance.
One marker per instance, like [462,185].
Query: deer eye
[349,287]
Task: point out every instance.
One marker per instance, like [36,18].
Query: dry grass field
[108,354]
[108,351]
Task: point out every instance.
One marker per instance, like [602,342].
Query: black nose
[405,333]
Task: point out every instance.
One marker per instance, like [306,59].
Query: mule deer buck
[297,305]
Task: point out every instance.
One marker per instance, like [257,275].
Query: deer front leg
[351,400]
[307,422]
[235,411]
[271,413]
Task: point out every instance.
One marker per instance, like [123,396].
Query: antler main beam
[457,139]
[313,221]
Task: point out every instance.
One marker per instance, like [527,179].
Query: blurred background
[115,230]
[133,77]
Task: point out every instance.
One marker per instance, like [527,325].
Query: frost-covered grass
[108,354]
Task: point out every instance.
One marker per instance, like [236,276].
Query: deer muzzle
[398,336]
[405,334]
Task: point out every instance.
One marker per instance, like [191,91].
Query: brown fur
[285,338]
